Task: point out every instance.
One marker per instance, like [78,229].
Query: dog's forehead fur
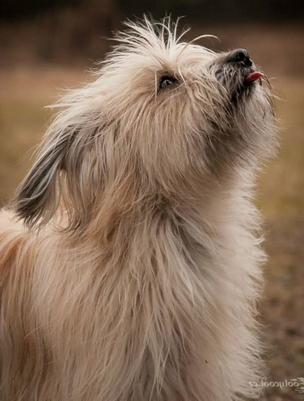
[126,89]
[147,51]
[157,45]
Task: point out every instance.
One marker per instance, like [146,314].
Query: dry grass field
[25,92]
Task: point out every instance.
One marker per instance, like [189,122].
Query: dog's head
[163,117]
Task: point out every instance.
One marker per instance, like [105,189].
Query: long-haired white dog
[130,259]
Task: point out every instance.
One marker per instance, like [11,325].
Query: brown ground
[24,93]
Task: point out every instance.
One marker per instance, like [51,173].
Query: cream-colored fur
[130,258]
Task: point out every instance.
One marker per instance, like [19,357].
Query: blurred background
[48,45]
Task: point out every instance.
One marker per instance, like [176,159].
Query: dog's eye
[166,81]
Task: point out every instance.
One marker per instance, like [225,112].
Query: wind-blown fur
[130,259]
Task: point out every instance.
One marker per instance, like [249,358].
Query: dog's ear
[58,180]
[39,194]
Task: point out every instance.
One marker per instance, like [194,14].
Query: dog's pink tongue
[253,76]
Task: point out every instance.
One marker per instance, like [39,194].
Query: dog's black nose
[240,56]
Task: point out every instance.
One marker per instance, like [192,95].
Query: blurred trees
[204,10]
[21,9]
[45,31]
[214,11]
[69,31]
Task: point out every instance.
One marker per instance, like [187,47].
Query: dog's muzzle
[240,59]
[237,74]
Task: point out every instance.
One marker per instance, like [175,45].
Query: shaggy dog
[130,259]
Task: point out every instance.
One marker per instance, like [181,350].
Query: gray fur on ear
[38,195]
[58,181]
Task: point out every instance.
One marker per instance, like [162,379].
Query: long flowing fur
[130,258]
